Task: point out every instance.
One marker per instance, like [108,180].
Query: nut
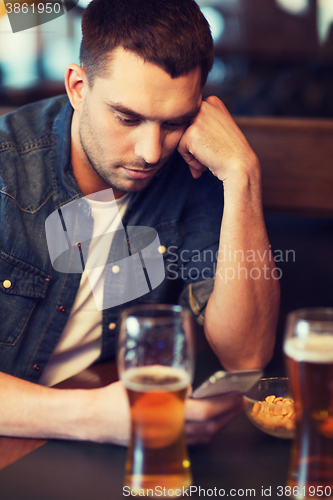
[275,413]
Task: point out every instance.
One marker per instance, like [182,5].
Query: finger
[189,391]
[196,168]
[196,173]
[205,409]
[203,432]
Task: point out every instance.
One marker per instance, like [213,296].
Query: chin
[131,186]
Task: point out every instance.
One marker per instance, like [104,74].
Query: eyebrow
[177,119]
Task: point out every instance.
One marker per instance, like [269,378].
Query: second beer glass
[308,348]
[155,363]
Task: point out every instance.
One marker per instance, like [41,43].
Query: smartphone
[223,381]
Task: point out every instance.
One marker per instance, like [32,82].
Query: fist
[214,141]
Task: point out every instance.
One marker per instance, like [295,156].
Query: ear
[75,81]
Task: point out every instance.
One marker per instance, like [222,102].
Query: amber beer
[310,369]
[157,394]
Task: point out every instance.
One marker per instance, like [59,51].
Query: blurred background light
[83,3]
[56,56]
[294,6]
[218,72]
[215,20]
[17,56]
[324,19]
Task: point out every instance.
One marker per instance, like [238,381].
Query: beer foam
[159,373]
[311,349]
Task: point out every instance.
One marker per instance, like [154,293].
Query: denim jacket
[36,178]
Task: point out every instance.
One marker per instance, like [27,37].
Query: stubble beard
[109,173]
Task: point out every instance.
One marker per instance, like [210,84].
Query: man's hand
[214,141]
[205,417]
[111,415]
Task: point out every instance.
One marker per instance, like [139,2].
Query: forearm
[241,314]
[102,415]
[31,410]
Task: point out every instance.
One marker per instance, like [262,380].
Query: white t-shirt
[80,343]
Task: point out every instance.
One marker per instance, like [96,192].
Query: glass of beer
[308,349]
[155,364]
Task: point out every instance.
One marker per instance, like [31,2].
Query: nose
[149,143]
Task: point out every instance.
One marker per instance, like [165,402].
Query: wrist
[100,415]
[244,187]
[244,175]
[70,410]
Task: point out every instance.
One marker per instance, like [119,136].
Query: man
[136,123]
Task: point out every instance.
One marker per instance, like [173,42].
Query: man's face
[130,122]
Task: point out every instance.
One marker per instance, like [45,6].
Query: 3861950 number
[310,491]
[40,8]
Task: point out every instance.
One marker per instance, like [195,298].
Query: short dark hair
[173,34]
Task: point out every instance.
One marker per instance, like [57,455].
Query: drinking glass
[308,349]
[155,364]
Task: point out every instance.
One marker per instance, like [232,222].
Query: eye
[127,121]
[174,125]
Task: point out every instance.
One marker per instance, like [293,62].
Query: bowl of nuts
[270,407]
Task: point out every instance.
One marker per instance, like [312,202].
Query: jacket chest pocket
[21,285]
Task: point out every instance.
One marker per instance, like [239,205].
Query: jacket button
[112,326]
[7,284]
[115,269]
[62,309]
[36,368]
[161,249]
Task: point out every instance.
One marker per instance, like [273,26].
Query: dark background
[269,60]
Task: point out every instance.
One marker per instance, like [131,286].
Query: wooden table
[241,462]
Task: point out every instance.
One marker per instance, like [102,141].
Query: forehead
[146,88]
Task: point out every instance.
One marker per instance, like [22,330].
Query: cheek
[109,136]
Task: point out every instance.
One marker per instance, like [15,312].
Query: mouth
[140,174]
